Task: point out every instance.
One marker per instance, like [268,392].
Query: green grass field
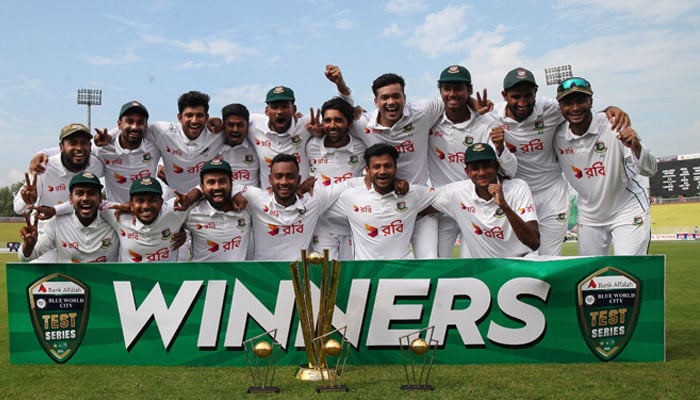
[672,218]
[673,379]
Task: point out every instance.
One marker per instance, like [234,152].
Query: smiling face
[381,171]
[146,206]
[520,100]
[390,100]
[235,130]
[132,127]
[576,108]
[75,151]
[284,180]
[482,174]
[193,121]
[455,95]
[85,200]
[280,114]
[216,187]
[335,126]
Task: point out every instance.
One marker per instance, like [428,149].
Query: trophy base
[315,374]
[263,389]
[332,388]
[423,388]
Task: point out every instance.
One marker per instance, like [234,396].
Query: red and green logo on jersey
[499,213]
[249,159]
[401,206]
[166,234]
[147,157]
[353,160]
[599,147]
[468,140]
[638,221]
[106,243]
[561,217]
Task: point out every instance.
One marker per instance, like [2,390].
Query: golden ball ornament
[262,349]
[419,346]
[315,258]
[332,347]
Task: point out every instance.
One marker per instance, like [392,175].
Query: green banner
[482,310]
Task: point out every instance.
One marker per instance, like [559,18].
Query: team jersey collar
[593,130]
[350,147]
[390,194]
[299,204]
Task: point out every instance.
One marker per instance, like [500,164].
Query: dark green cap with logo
[479,152]
[455,73]
[518,75]
[146,184]
[279,93]
[215,165]
[133,106]
[83,179]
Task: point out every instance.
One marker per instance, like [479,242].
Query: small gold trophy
[418,352]
[320,327]
[262,362]
[332,349]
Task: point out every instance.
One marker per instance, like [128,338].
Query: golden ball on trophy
[315,258]
[332,347]
[419,346]
[262,349]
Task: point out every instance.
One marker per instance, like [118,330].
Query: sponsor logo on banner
[608,303]
[59,308]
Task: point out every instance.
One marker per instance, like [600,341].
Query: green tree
[7,194]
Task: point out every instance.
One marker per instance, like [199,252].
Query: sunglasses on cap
[573,82]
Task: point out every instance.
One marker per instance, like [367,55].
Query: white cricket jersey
[448,141]
[269,143]
[76,243]
[382,224]
[245,167]
[146,243]
[409,136]
[218,235]
[281,232]
[603,171]
[123,166]
[183,158]
[332,165]
[484,227]
[531,142]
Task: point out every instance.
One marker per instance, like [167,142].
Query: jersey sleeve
[443,199]
[424,196]
[521,201]
[646,164]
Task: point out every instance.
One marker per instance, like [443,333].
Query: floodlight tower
[90,97]
[556,75]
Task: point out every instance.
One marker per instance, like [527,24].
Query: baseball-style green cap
[215,165]
[479,152]
[574,85]
[279,93]
[84,178]
[71,129]
[455,73]
[518,75]
[146,184]
[133,106]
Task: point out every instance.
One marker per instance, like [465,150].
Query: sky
[643,56]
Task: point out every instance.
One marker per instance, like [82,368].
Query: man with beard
[381,220]
[496,216]
[51,187]
[605,169]
[458,128]
[80,237]
[219,233]
[335,157]
[237,150]
[529,126]
[128,156]
[283,222]
[146,231]
[279,132]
